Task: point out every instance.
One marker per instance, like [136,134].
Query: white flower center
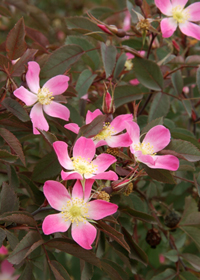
[128,65]
[83,166]
[106,132]
[76,210]
[44,96]
[145,148]
[179,14]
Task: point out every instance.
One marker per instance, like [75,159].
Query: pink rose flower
[3,250]
[155,140]
[43,97]
[7,271]
[81,165]
[178,16]
[110,133]
[75,210]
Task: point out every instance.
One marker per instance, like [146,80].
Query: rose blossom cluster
[83,162]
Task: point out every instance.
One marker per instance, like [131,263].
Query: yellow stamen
[145,148]
[44,96]
[75,210]
[106,132]
[84,166]
[179,14]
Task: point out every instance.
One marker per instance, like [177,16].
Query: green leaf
[12,239]
[171,255]
[47,168]
[159,106]
[5,63]
[114,234]
[59,271]
[168,274]
[13,142]
[49,137]
[19,217]
[20,251]
[87,270]
[177,82]
[193,233]
[153,123]
[139,215]
[84,82]
[15,42]
[5,12]
[198,78]
[160,175]
[120,65]
[16,109]
[148,73]
[7,157]
[125,94]
[192,259]
[186,275]
[136,252]
[183,136]
[183,149]
[69,246]
[93,128]
[12,176]
[101,12]
[19,67]
[188,106]
[189,208]
[2,236]
[85,45]
[27,273]
[61,60]
[85,26]
[108,54]
[114,270]
[9,200]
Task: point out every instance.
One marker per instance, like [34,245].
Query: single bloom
[156,139]
[81,165]
[76,210]
[179,16]
[109,135]
[42,98]
[7,271]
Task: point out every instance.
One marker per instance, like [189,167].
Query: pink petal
[3,250]
[71,175]
[57,110]
[158,137]
[146,159]
[73,127]
[109,175]
[25,95]
[134,82]
[122,140]
[38,119]
[167,162]
[119,122]
[168,26]
[104,28]
[193,11]
[7,268]
[98,209]
[181,3]
[190,29]
[57,84]
[103,161]
[55,223]
[84,148]
[90,116]
[84,234]
[134,132]
[56,194]
[77,190]
[127,21]
[164,6]
[99,143]
[88,188]
[129,55]
[61,149]
[32,76]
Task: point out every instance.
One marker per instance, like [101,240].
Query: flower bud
[104,28]
[108,106]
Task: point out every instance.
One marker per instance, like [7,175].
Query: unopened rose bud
[104,28]
[108,106]
[176,46]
